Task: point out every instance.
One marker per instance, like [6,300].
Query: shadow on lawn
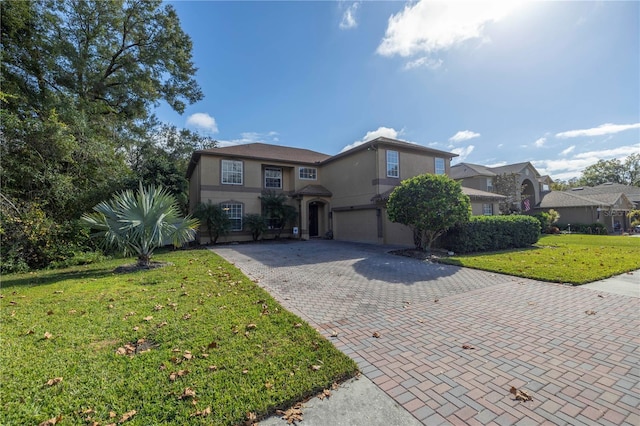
[44,278]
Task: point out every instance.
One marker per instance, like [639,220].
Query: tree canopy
[429,205]
[626,172]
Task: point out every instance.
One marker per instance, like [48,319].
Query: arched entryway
[528,196]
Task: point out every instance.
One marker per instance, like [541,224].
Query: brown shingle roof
[269,152]
[476,194]
[317,190]
[558,199]
[466,170]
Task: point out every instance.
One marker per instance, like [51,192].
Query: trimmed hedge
[584,228]
[491,233]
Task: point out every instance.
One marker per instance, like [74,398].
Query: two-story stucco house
[344,194]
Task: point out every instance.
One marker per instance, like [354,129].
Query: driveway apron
[448,343]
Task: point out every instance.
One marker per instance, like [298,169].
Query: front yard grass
[219,349]
[566,258]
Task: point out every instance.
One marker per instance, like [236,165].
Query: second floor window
[489,184]
[308,173]
[393,164]
[232,172]
[439,166]
[273,178]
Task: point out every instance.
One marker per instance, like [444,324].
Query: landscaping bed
[193,342]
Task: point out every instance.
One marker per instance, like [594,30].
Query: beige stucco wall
[395,233]
[194,188]
[350,179]
[477,210]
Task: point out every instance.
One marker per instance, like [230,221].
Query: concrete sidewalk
[452,341]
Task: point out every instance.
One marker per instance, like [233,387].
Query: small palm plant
[140,222]
[215,219]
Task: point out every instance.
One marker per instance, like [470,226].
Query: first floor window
[487,209]
[273,178]
[439,166]
[308,173]
[234,212]
[393,164]
[232,172]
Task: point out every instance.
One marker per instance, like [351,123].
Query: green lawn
[223,337]
[574,259]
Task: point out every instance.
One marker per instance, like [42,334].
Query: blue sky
[554,83]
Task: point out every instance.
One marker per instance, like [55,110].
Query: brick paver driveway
[581,367]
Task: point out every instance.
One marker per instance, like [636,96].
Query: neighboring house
[608,204]
[529,184]
[344,194]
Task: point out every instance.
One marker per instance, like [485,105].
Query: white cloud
[203,121]
[431,26]
[387,132]
[463,153]
[424,62]
[250,137]
[568,150]
[463,135]
[540,142]
[349,17]
[603,129]
[567,168]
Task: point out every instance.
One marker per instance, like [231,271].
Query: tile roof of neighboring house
[476,194]
[632,192]
[558,199]
[467,170]
[317,190]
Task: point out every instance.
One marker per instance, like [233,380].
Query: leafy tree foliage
[140,222]
[256,224]
[507,184]
[429,205]
[614,170]
[215,219]
[80,79]
[278,213]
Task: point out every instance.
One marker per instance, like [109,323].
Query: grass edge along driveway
[565,258]
[194,342]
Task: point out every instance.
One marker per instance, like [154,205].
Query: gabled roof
[559,199]
[467,170]
[317,190]
[513,168]
[393,143]
[632,192]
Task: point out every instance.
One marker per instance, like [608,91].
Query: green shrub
[491,233]
[32,240]
[256,224]
[584,228]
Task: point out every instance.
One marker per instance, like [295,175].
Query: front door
[313,220]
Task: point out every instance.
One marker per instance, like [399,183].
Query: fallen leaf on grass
[52,421]
[126,416]
[148,318]
[245,371]
[187,355]
[251,417]
[48,335]
[213,367]
[180,373]
[376,335]
[212,345]
[112,414]
[520,394]
[251,326]
[58,292]
[590,312]
[29,332]
[54,381]
[268,385]
[157,307]
[292,415]
[315,367]
[187,393]
[186,316]
[50,312]
[297,325]
[136,328]
[467,347]
[203,413]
